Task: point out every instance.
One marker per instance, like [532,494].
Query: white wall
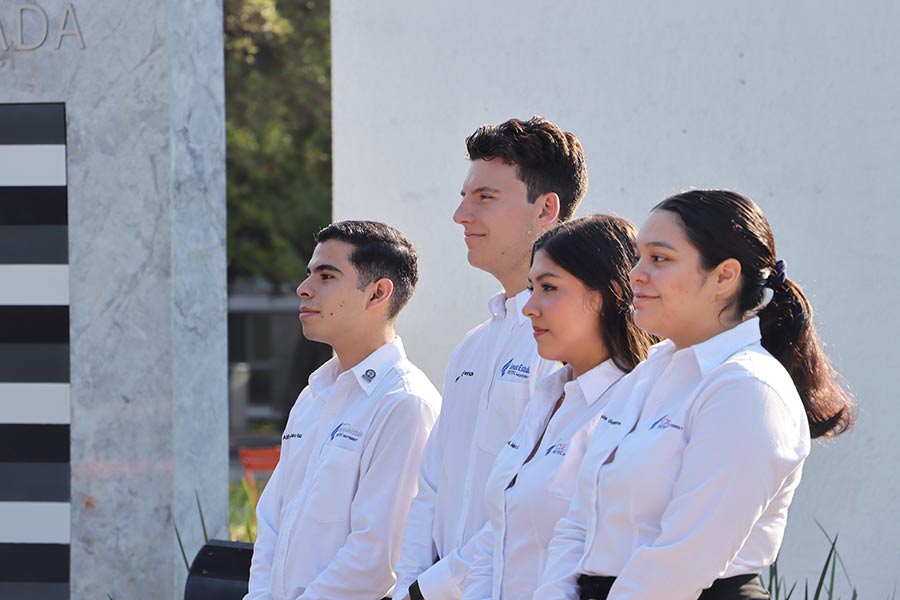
[794,104]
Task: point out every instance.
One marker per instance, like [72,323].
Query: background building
[794,104]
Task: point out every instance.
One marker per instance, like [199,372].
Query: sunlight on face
[565,316]
[673,296]
[499,223]
[331,304]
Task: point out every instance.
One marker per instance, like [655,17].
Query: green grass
[241,512]
[825,585]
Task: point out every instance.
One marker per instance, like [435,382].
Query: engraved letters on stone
[28,26]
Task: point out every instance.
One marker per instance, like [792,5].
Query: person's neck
[514,282]
[701,333]
[353,351]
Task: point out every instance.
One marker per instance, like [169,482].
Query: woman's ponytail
[723,224]
[789,334]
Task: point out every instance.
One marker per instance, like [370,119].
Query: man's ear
[549,205]
[379,293]
[727,276]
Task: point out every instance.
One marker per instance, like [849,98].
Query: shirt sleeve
[480,582]
[566,549]
[744,445]
[445,580]
[418,551]
[363,568]
[268,512]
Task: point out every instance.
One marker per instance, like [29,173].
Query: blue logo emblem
[558,449]
[514,371]
[346,431]
[665,423]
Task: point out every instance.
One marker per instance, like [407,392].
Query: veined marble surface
[146,170]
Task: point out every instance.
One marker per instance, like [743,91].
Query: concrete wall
[794,104]
[142,85]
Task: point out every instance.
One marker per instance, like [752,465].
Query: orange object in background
[258,460]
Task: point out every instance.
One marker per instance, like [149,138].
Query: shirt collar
[713,352]
[497,304]
[368,372]
[324,377]
[372,369]
[500,305]
[553,382]
[594,383]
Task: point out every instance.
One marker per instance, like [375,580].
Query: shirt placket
[300,501]
[484,402]
[598,458]
[533,436]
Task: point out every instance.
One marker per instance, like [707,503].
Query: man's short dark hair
[379,251]
[547,158]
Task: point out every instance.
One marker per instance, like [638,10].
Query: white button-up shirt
[331,517]
[512,548]
[488,381]
[700,488]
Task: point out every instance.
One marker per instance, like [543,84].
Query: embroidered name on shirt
[559,449]
[514,371]
[464,374]
[665,423]
[346,431]
[610,421]
[512,444]
[292,436]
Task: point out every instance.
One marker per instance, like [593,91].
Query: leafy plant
[184,557]
[242,513]
[278,111]
[825,586]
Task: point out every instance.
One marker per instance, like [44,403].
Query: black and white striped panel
[34,353]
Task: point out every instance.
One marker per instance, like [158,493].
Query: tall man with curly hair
[524,177]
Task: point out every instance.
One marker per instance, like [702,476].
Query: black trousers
[739,587]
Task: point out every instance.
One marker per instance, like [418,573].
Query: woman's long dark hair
[599,250]
[722,225]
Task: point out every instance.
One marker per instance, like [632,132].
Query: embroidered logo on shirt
[610,421]
[514,371]
[369,375]
[346,431]
[464,374]
[512,444]
[665,423]
[559,449]
[292,436]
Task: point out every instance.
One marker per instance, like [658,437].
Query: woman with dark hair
[580,310]
[685,487]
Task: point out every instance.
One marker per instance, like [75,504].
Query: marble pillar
[142,85]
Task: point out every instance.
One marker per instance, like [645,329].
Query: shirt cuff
[437,583]
[415,593]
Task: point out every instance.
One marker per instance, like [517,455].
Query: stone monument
[113,359]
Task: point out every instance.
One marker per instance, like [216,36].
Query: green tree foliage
[278,110]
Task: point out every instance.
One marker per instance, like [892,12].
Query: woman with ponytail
[684,489]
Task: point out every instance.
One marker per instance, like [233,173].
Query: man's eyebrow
[482,188]
[324,267]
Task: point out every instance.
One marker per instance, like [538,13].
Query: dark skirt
[739,587]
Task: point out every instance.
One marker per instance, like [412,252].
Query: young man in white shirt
[524,177]
[331,517]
